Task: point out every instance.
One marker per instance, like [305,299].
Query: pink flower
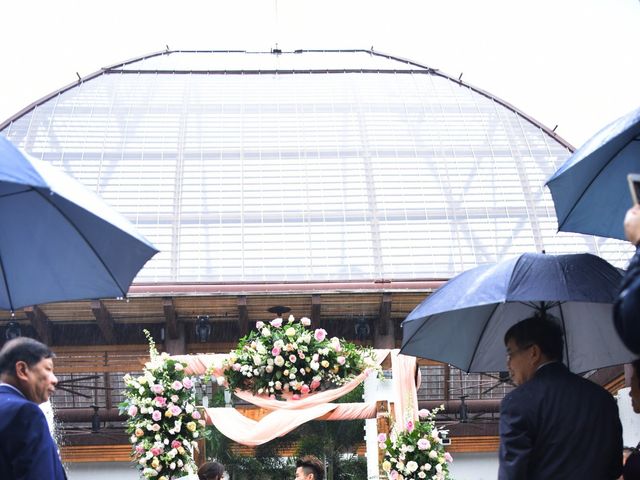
[423,413]
[315,384]
[276,322]
[156,415]
[175,410]
[275,351]
[259,325]
[300,355]
[320,334]
[304,389]
[341,360]
[292,358]
[160,401]
[393,475]
[448,457]
[155,451]
[176,444]
[305,321]
[157,388]
[382,437]
[424,444]
[196,414]
[295,396]
[133,411]
[176,385]
[187,383]
[139,448]
[236,367]
[175,398]
[410,426]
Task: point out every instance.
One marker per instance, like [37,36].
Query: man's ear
[536,354]
[21,370]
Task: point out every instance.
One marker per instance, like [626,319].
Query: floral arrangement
[289,359]
[163,421]
[417,451]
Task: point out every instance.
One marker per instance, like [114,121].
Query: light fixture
[95,420]
[13,331]
[362,329]
[279,310]
[464,410]
[203,328]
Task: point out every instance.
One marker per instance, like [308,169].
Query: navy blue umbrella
[590,190]
[58,240]
[463,323]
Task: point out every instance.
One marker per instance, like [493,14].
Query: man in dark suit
[555,424]
[27,451]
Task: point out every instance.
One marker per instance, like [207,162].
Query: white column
[374,390]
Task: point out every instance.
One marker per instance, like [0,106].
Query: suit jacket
[27,451]
[559,425]
[626,309]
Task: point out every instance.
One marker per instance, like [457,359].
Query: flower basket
[288,359]
[416,452]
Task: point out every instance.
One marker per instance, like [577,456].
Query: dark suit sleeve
[34,454]
[615,467]
[515,441]
[626,308]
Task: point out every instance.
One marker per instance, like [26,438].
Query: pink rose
[139,448]
[304,389]
[177,385]
[187,383]
[305,321]
[157,388]
[259,325]
[196,414]
[155,451]
[295,396]
[315,384]
[276,322]
[320,334]
[410,426]
[156,415]
[341,360]
[382,437]
[175,410]
[275,351]
[236,367]
[176,444]
[424,444]
[448,457]
[423,413]
[292,358]
[133,411]
[160,401]
[393,475]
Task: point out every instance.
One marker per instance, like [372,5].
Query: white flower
[279,361]
[265,332]
[433,454]
[422,475]
[412,466]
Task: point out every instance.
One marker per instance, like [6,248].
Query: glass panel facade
[307,176]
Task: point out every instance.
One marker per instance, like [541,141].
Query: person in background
[309,468]
[555,424]
[211,471]
[626,309]
[27,450]
[631,468]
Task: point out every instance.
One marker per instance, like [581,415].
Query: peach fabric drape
[287,415]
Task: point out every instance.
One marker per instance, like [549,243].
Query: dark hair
[210,471]
[538,330]
[22,349]
[311,464]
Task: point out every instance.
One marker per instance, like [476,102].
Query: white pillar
[374,390]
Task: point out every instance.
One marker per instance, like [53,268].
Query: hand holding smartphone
[634,186]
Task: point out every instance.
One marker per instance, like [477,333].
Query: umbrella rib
[84,238]
[6,283]
[593,178]
[564,328]
[484,328]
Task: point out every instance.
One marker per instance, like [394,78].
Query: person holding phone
[626,309]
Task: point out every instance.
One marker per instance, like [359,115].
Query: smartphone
[634,186]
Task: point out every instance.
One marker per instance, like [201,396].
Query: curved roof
[306,166]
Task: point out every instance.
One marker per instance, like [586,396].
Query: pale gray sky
[573,63]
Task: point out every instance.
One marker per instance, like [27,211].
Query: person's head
[27,364]
[531,343]
[634,393]
[211,471]
[309,468]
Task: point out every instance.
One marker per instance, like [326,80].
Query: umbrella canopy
[58,240]
[590,190]
[463,323]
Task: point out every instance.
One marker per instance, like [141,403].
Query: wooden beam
[384,317]
[104,320]
[243,316]
[171,318]
[40,323]
[316,306]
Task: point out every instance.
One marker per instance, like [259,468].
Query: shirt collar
[11,386]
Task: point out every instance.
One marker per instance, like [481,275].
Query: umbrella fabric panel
[55,261]
[449,337]
[563,278]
